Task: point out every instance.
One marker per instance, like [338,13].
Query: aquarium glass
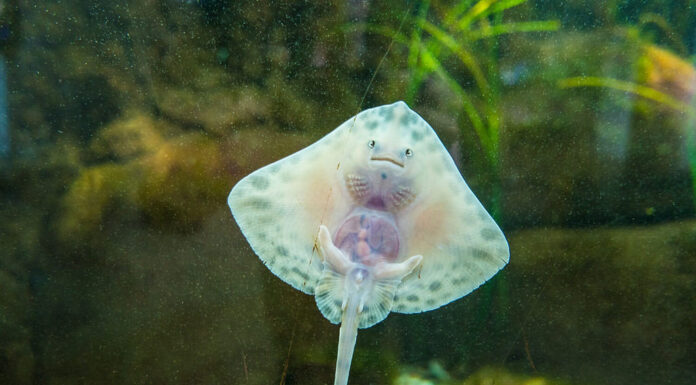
[564,130]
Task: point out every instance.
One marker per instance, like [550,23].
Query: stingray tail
[346,339]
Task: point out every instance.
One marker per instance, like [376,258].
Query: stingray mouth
[387,159]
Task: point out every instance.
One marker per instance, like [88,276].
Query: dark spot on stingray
[408,120]
[264,219]
[258,203]
[371,125]
[337,303]
[284,271]
[384,176]
[274,168]
[387,113]
[435,286]
[259,182]
[489,234]
[301,273]
[478,253]
[412,298]
[416,136]
[430,302]
[282,251]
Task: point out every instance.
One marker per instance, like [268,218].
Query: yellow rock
[668,73]
[128,138]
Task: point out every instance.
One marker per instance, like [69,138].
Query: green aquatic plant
[630,87]
[470,32]
[458,45]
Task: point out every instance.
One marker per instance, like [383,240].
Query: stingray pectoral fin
[330,294]
[386,270]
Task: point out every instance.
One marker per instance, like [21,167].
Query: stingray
[373,218]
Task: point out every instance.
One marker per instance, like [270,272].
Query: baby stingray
[372,218]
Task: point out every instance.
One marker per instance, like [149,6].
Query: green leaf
[465,56]
[487,8]
[456,11]
[376,29]
[475,12]
[502,29]
[505,4]
[636,89]
[467,105]
[414,45]
[428,60]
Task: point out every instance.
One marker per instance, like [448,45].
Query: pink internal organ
[368,239]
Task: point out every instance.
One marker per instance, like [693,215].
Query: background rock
[130,121]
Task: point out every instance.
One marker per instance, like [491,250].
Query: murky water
[123,127]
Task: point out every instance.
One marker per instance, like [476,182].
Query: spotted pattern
[259,204]
[489,234]
[274,168]
[259,182]
[265,204]
[416,136]
[386,113]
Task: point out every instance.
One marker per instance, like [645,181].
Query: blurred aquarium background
[123,126]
